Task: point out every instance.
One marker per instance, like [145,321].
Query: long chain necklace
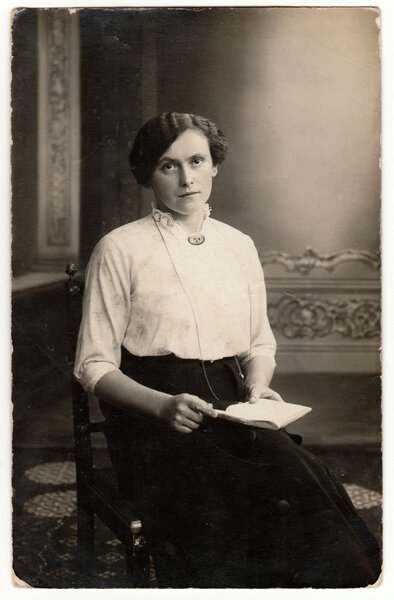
[197,238]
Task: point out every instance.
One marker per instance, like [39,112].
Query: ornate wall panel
[59,137]
[313,317]
[325,311]
[310,259]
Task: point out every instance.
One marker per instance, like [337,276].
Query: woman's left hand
[259,373]
[256,391]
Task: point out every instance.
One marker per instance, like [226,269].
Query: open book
[267,414]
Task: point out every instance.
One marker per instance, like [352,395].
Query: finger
[271,394]
[200,406]
[183,429]
[206,409]
[183,421]
[190,424]
[192,414]
[254,394]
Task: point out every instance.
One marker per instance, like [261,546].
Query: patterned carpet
[44,524]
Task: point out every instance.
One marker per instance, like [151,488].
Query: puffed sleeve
[262,340]
[106,314]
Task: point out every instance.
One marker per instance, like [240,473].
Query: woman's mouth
[188,194]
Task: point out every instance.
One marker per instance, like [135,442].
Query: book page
[280,413]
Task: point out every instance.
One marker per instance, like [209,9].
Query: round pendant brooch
[196,239]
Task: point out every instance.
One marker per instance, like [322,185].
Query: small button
[282,507]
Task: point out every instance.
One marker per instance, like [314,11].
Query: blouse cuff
[268,354]
[89,374]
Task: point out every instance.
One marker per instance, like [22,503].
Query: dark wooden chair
[97,490]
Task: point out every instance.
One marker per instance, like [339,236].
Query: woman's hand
[184,412]
[259,373]
[256,391]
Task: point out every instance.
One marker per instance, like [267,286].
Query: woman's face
[182,178]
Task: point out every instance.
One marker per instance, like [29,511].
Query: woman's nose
[185,176]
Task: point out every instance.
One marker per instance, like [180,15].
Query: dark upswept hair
[160,132]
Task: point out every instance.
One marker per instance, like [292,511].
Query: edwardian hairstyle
[160,132]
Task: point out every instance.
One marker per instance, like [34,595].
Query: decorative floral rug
[44,524]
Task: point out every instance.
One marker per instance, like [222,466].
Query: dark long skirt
[236,507]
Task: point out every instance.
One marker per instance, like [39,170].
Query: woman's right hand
[185,412]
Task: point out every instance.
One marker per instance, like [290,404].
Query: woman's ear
[215,169]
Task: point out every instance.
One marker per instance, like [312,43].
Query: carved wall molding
[59,136]
[302,346]
[303,284]
[310,259]
[311,317]
[58,224]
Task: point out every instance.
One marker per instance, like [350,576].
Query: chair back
[83,424]
[96,492]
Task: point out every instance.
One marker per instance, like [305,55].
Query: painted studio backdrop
[297,93]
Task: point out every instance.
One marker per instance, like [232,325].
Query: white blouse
[147,288]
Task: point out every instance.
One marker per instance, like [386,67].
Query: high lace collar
[167,220]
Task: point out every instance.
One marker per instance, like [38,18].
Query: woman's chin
[186,207]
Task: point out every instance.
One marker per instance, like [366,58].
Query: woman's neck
[190,223]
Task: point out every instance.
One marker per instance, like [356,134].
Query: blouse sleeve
[106,313]
[262,340]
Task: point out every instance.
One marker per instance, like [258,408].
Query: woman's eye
[197,161]
[167,167]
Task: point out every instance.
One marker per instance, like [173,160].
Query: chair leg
[85,547]
[138,564]
[130,566]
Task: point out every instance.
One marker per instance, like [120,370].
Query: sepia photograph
[196,297]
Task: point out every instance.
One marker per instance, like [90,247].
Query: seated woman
[175,325]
